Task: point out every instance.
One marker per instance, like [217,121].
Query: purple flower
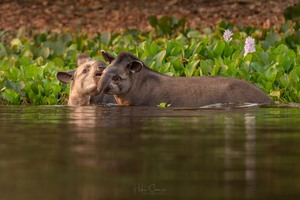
[227,35]
[249,45]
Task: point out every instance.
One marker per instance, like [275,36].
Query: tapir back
[199,91]
[192,91]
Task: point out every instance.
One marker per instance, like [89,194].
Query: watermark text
[148,189]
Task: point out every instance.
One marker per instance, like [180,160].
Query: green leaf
[25,61]
[105,38]
[163,105]
[264,56]
[15,43]
[31,71]
[177,65]
[73,47]
[59,62]
[292,12]
[193,34]
[16,86]
[219,48]
[271,73]
[272,39]
[173,48]
[191,68]
[51,100]
[294,78]
[34,88]
[55,89]
[284,79]
[205,67]
[14,74]
[275,93]
[153,21]
[151,49]
[159,58]
[165,69]
[45,52]
[10,96]
[245,66]
[235,55]
[257,67]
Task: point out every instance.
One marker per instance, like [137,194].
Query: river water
[114,152]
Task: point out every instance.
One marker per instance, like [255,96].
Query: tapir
[133,83]
[84,82]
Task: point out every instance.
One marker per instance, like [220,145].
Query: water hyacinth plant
[28,64]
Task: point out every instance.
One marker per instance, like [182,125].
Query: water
[94,152]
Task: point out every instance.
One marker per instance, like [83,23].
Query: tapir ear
[135,66]
[82,58]
[65,77]
[107,56]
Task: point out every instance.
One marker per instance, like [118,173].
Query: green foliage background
[28,64]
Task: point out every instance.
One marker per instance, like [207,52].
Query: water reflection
[97,152]
[250,153]
[232,154]
[81,119]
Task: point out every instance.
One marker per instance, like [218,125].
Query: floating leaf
[163,105]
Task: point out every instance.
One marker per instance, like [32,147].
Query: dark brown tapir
[133,83]
[84,82]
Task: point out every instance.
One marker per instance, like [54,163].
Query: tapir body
[84,82]
[133,83]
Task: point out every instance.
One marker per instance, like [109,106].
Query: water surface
[98,152]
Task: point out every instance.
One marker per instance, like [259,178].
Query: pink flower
[227,35]
[249,45]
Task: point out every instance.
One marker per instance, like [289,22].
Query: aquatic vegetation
[29,61]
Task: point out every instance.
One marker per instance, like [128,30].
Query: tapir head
[118,77]
[84,79]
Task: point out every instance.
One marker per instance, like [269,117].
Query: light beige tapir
[133,83]
[84,82]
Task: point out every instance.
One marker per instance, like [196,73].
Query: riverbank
[116,16]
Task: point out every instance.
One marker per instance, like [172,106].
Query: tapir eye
[117,78]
